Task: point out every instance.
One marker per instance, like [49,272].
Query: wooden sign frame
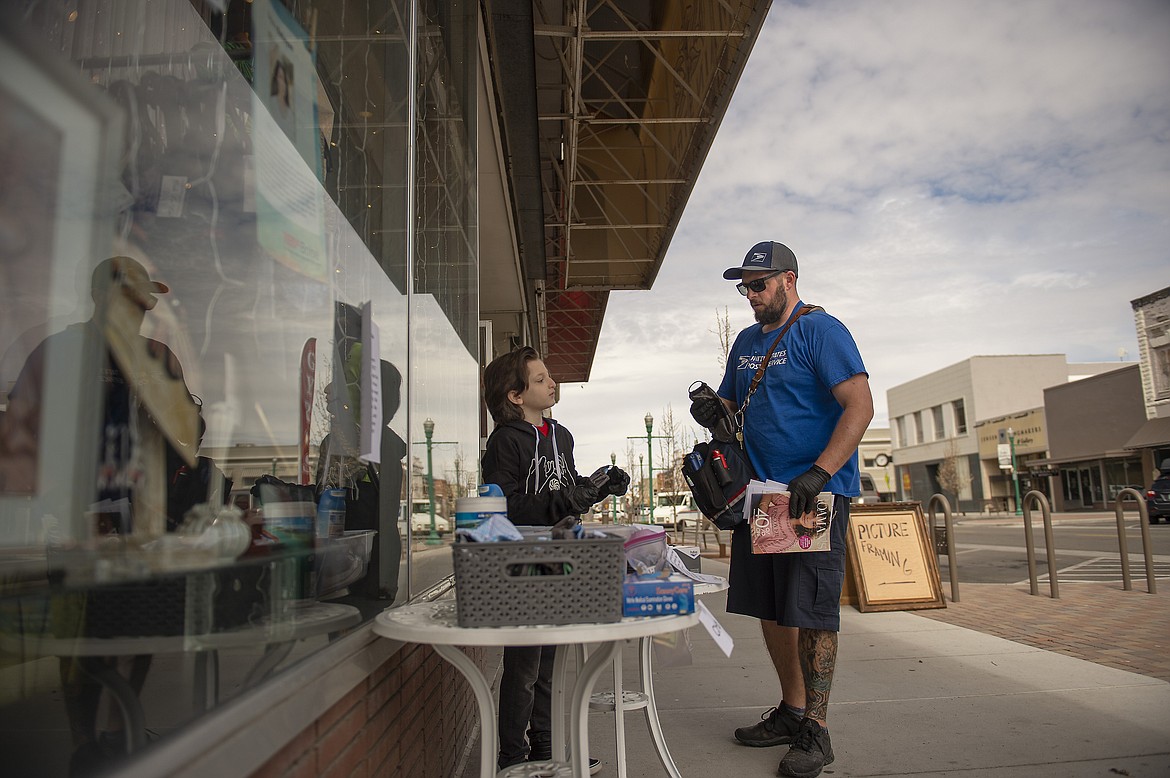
[893,564]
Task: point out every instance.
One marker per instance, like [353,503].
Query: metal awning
[1084,457]
[628,97]
[1155,432]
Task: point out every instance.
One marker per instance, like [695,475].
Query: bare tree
[466,478]
[636,472]
[674,441]
[670,451]
[951,477]
[723,330]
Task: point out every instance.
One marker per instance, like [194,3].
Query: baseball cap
[768,255]
[127,272]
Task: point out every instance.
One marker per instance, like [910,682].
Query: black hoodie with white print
[535,471]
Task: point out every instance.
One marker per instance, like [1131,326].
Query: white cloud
[956,178]
[1051,280]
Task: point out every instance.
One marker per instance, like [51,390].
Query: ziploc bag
[646,552]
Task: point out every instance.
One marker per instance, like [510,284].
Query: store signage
[1004,451]
[889,552]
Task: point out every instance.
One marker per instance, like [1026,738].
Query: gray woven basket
[500,585]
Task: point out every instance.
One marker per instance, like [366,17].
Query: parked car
[869,493]
[669,507]
[420,519]
[1158,498]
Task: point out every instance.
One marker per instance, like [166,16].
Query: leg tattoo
[818,658]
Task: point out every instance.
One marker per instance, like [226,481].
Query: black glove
[707,411]
[582,496]
[803,490]
[600,477]
[619,482]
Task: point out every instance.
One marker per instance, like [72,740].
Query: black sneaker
[777,727]
[811,750]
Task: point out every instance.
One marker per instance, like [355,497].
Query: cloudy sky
[955,177]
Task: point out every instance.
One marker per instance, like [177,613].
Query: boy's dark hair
[504,374]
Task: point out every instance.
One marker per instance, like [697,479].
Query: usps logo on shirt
[752,361]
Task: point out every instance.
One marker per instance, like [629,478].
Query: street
[992,550]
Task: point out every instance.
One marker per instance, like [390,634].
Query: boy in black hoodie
[530,457]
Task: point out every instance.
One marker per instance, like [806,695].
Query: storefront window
[960,417]
[1158,338]
[239,272]
[1123,473]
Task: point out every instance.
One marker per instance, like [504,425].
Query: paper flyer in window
[775,532]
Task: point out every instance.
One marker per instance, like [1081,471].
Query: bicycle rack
[948,527]
[1123,544]
[1049,543]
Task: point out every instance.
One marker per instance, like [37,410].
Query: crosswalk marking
[1106,570]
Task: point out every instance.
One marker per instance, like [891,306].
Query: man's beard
[774,311]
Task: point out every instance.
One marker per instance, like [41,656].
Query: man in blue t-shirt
[801,427]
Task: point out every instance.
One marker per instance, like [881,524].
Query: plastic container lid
[481,505]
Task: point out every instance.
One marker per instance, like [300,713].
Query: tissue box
[690,557]
[657,596]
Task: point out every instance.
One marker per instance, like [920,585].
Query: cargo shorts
[793,590]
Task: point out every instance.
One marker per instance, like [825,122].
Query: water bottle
[331,514]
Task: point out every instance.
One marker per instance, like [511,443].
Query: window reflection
[217,334]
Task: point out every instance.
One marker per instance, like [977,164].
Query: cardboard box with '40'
[657,596]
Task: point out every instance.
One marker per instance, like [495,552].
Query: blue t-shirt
[793,411]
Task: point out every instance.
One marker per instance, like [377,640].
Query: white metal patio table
[434,624]
[643,700]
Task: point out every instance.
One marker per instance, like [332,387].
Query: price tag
[714,628]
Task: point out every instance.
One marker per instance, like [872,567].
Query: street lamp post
[613,497]
[1015,472]
[429,431]
[641,483]
[650,461]
[650,437]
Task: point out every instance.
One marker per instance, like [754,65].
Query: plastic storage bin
[497,585]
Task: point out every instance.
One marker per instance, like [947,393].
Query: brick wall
[411,717]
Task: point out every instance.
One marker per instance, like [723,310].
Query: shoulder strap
[764,365]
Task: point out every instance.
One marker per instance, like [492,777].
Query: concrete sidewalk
[912,696]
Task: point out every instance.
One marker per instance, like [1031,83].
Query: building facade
[875,459]
[1152,322]
[1089,449]
[258,248]
[1025,436]
[936,445]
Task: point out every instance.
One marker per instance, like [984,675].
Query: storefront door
[1086,475]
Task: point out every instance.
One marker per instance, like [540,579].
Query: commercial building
[1089,425]
[328,214]
[875,460]
[1012,452]
[937,437]
[1152,321]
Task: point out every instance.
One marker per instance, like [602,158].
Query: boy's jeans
[526,703]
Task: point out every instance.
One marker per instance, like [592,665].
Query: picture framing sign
[893,564]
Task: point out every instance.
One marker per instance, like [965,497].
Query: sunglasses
[758,285]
